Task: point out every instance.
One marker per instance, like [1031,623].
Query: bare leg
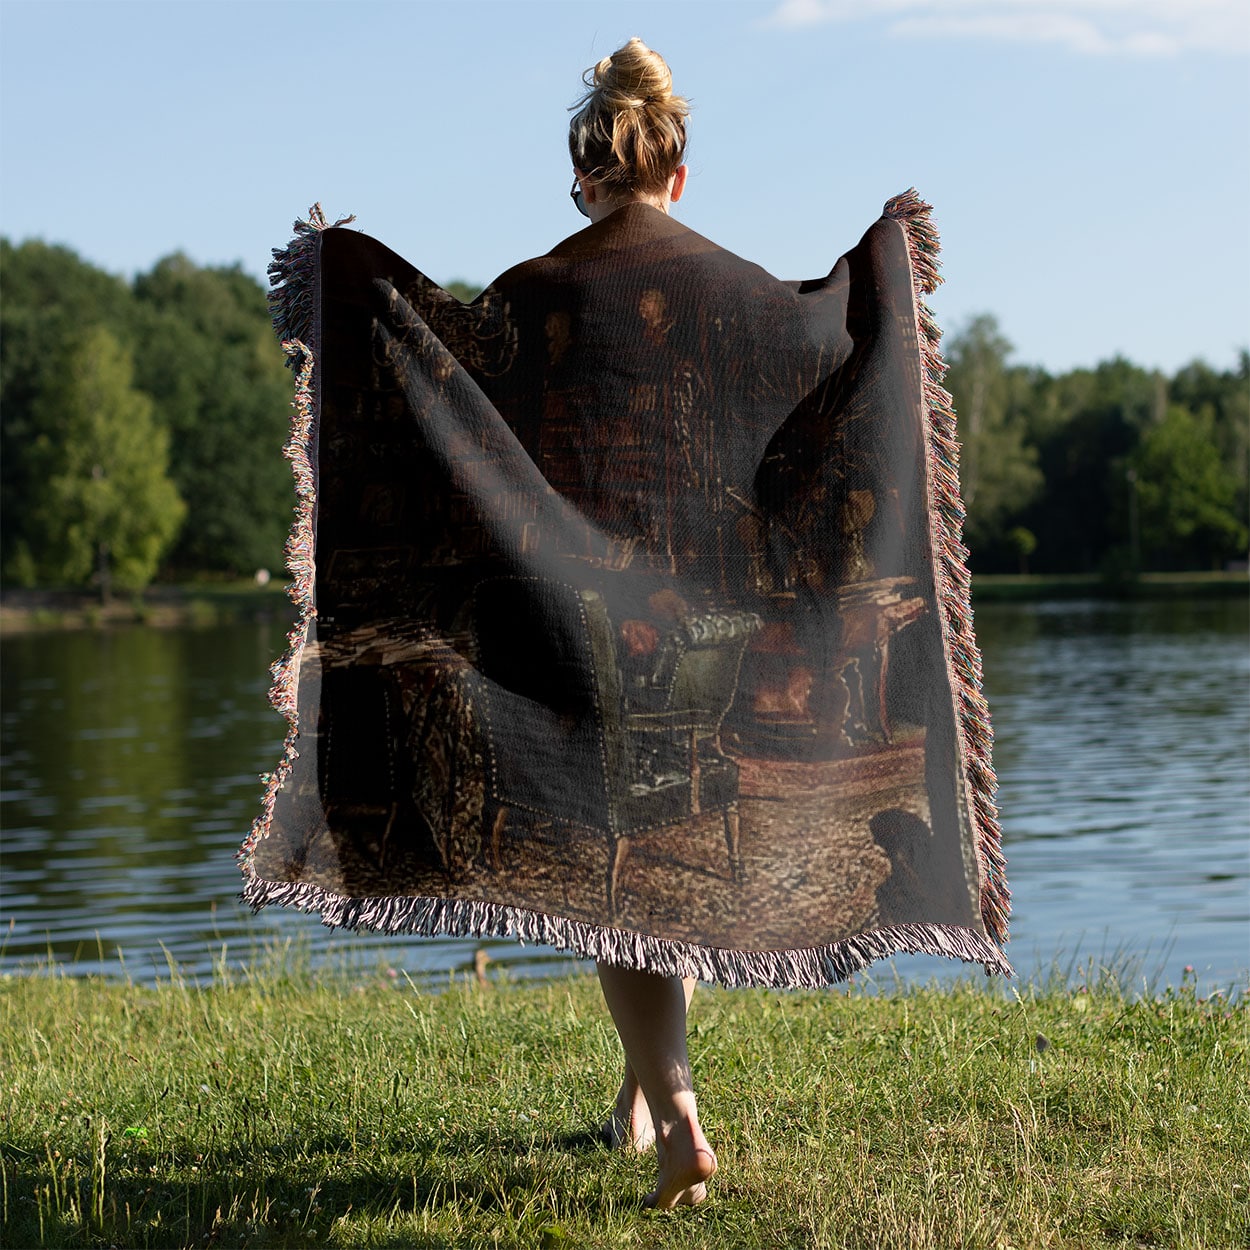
[649,1012]
[629,1127]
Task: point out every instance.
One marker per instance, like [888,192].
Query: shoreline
[1039,587]
[162,607]
[207,604]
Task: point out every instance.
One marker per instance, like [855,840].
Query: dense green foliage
[1112,470]
[1109,470]
[105,504]
[209,359]
[279,1109]
[197,404]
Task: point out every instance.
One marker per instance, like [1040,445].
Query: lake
[131,759]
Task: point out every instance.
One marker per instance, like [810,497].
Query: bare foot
[629,1126]
[686,1165]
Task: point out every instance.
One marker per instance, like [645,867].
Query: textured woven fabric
[634,616]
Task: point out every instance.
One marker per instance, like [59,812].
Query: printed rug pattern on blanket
[634,618]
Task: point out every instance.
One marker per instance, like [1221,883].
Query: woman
[644,557]
[628,143]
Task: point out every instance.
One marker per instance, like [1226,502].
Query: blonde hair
[629,131]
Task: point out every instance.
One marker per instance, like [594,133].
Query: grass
[1032,587]
[279,1107]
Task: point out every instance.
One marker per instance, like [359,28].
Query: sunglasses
[576,196]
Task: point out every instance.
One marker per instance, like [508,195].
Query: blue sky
[1088,159]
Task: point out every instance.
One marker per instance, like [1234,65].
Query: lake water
[131,760]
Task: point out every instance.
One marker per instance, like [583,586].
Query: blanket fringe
[294,304]
[811,968]
[294,301]
[953,581]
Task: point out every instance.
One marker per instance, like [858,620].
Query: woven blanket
[634,618]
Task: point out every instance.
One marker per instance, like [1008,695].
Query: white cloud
[1138,28]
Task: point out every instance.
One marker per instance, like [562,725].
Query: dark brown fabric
[627,634]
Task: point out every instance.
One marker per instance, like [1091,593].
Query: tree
[465,292]
[997,467]
[1024,543]
[1087,424]
[107,510]
[208,358]
[1223,400]
[1187,494]
[51,297]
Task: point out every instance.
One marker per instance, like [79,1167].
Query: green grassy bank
[283,1109]
[194,603]
[1000,587]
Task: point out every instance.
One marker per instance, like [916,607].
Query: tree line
[1114,470]
[141,423]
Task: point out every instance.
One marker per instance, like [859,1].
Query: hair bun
[634,76]
[630,129]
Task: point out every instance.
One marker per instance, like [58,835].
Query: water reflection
[131,762]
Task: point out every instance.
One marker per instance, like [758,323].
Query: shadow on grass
[291,1194]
